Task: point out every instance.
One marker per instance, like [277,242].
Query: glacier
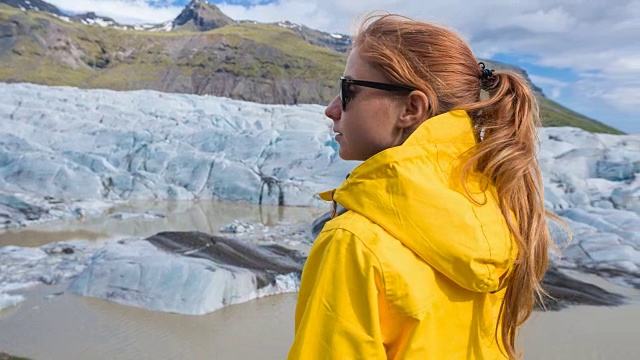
[70,153]
[189,273]
[69,144]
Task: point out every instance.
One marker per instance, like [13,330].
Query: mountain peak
[37,5]
[201,16]
[91,18]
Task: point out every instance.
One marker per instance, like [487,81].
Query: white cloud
[624,96]
[626,64]
[556,93]
[553,87]
[544,80]
[124,11]
[556,20]
[627,98]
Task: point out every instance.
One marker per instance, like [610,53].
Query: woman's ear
[415,111]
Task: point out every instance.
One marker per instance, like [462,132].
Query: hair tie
[487,78]
[486,73]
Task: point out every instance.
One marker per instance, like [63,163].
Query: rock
[237,227]
[565,290]
[37,5]
[266,259]
[201,16]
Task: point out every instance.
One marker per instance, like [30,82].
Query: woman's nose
[333,111]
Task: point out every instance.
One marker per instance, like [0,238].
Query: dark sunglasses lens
[342,94]
[345,93]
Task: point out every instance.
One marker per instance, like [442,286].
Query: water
[206,216]
[52,324]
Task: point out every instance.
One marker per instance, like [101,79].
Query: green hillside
[256,62]
[263,63]
[554,114]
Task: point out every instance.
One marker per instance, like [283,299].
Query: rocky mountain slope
[201,16]
[35,5]
[202,51]
[256,62]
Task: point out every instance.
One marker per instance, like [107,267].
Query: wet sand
[73,327]
[584,333]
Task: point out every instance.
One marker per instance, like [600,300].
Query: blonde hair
[439,63]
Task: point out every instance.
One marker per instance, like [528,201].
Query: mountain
[92,18]
[264,63]
[35,5]
[201,16]
[202,52]
[337,42]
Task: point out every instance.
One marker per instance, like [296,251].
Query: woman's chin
[344,155]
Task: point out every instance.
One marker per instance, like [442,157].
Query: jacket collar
[414,192]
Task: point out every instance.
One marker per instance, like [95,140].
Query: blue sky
[583,54]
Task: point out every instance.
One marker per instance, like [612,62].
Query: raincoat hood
[414,192]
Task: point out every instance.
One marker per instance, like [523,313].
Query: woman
[444,242]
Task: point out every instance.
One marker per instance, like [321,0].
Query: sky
[584,54]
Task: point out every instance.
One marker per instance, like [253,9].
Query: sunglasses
[346,92]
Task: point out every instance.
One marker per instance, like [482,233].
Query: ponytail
[506,153]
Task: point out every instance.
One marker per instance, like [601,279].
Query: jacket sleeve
[342,289]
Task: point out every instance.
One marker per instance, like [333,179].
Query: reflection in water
[127,220]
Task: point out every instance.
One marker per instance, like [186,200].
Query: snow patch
[7,301]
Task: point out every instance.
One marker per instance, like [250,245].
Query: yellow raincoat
[414,269]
